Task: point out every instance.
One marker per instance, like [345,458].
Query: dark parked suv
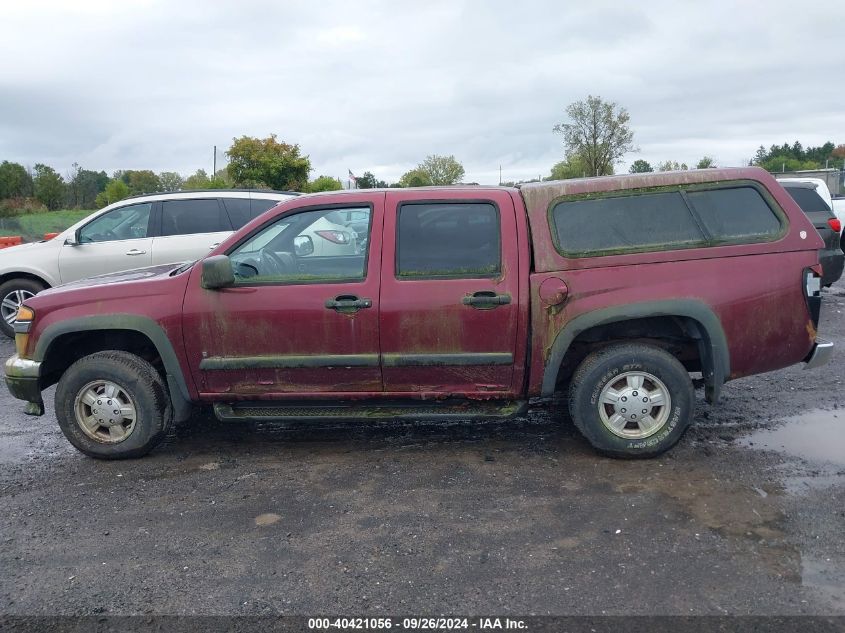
[827,224]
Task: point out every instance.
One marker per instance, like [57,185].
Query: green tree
[140,181]
[369,181]
[15,181]
[572,167]
[838,155]
[324,183]
[197,180]
[672,165]
[785,162]
[415,178]
[49,186]
[442,170]
[641,166]
[115,191]
[83,186]
[267,162]
[706,162]
[598,133]
[170,181]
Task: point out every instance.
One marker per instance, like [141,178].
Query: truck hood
[138,274]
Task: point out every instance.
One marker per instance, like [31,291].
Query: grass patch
[33,226]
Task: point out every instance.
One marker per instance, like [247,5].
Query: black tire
[611,366]
[139,381]
[8,289]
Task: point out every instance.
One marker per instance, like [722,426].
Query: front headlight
[23,323]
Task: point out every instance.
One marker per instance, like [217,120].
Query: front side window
[449,239]
[126,223]
[317,246]
[186,217]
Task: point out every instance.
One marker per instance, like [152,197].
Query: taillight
[813,291]
[835,224]
[335,237]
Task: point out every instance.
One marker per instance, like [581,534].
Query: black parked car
[821,215]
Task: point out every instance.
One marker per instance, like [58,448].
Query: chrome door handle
[135,251]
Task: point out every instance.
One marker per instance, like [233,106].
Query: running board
[369,410]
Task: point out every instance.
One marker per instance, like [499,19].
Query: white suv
[133,233]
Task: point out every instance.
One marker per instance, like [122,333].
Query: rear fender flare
[713,345]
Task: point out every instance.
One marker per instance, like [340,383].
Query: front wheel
[113,405]
[12,294]
[631,400]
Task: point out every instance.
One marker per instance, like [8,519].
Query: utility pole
[214,168]
[500,175]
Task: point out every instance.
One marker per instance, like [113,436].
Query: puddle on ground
[826,576]
[816,436]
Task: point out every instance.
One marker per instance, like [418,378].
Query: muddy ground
[508,518]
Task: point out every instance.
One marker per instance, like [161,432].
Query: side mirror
[73,240]
[303,245]
[217,272]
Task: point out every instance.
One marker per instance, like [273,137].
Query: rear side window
[185,217]
[663,220]
[737,213]
[448,240]
[239,212]
[808,199]
[260,206]
[657,220]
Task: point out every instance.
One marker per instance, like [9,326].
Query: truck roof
[540,194]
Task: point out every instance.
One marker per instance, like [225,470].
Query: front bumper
[23,380]
[820,355]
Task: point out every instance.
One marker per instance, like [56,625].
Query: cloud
[378,86]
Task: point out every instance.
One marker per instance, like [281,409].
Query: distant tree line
[253,163]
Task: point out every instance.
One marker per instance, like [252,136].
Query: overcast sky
[379,85]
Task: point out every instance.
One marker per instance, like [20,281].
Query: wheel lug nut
[624,399]
[116,411]
[645,399]
[635,393]
[645,411]
[624,411]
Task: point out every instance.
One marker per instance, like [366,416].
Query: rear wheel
[113,405]
[631,400]
[12,294]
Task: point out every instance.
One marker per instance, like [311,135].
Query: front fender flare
[179,394]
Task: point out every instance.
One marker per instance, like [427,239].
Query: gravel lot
[507,518]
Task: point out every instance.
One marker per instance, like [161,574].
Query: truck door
[302,317]
[449,293]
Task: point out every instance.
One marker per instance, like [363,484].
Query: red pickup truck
[457,302]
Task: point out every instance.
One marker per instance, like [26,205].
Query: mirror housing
[217,272]
[303,245]
[73,240]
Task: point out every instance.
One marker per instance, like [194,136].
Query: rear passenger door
[449,294]
[188,229]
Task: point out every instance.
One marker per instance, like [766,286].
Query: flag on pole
[352,179]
